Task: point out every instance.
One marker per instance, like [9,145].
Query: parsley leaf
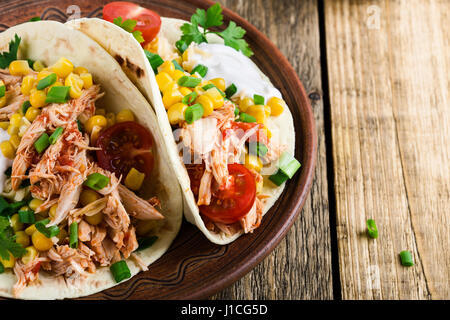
[233,38]
[129,25]
[7,242]
[207,19]
[7,57]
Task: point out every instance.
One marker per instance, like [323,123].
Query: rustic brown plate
[193,267]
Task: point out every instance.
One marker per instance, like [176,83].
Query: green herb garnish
[49,232]
[129,25]
[7,57]
[7,241]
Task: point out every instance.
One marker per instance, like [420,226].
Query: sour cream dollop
[5,163]
[234,67]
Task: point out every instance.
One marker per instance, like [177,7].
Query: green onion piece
[96,181]
[406,258]
[257,148]
[245,117]
[154,59]
[55,135]
[58,94]
[4,206]
[25,106]
[50,232]
[16,205]
[181,45]
[8,172]
[73,235]
[230,91]
[2,268]
[30,63]
[259,100]
[201,70]
[208,86]
[42,143]
[2,91]
[46,82]
[278,178]
[25,183]
[189,82]
[177,65]
[120,270]
[236,111]
[193,113]
[35,19]
[80,126]
[189,98]
[288,164]
[27,216]
[372,229]
[145,243]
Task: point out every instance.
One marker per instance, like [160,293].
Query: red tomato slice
[125,145]
[230,205]
[148,21]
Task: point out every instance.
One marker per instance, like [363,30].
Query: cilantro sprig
[129,25]
[7,57]
[7,241]
[232,35]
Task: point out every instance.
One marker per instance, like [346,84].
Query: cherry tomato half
[148,21]
[230,205]
[125,145]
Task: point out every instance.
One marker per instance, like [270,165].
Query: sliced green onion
[236,111]
[288,164]
[230,91]
[35,19]
[245,117]
[30,63]
[25,183]
[2,91]
[2,268]
[42,143]
[257,148]
[406,258]
[177,65]
[96,181]
[46,82]
[208,86]
[73,235]
[190,82]
[145,243]
[201,70]
[181,45]
[154,59]
[55,135]
[189,98]
[16,205]
[49,232]
[193,113]
[259,100]
[58,94]
[27,216]
[120,271]
[8,172]
[25,106]
[278,178]
[372,229]
[80,126]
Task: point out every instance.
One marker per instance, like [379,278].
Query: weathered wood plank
[300,267]
[388,64]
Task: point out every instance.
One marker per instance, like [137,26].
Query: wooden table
[377,76]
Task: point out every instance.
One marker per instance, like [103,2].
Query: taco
[87,199]
[218,112]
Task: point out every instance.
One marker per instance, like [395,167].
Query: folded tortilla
[47,41]
[130,55]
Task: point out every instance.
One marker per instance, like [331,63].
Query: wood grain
[300,267]
[388,64]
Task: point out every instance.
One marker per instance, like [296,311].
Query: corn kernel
[8,263]
[19,68]
[37,98]
[185,91]
[267,132]
[124,115]
[76,85]
[22,238]
[97,120]
[111,119]
[87,196]
[219,83]
[38,66]
[7,149]
[204,83]
[30,230]
[167,66]
[30,255]
[171,97]
[253,162]
[32,113]
[15,223]
[63,67]
[94,219]
[15,141]
[3,101]
[276,105]
[87,80]
[80,70]
[4,125]
[15,119]
[267,110]
[12,130]
[245,103]
[41,242]
[176,113]
[35,203]
[28,83]
[177,74]
[52,211]
[185,56]
[134,179]
[43,74]
[207,104]
[199,90]
[56,84]
[215,97]
[258,112]
[163,79]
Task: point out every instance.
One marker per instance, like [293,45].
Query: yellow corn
[41,242]
[245,103]
[38,66]
[52,211]
[30,255]
[177,74]
[171,97]
[204,83]
[199,90]
[258,112]
[215,97]
[87,80]
[111,119]
[32,113]
[176,113]
[12,130]
[95,219]
[19,68]
[35,203]
[276,105]
[22,238]
[56,84]
[134,179]
[253,162]
[15,223]
[15,141]
[167,66]
[219,83]
[185,56]
[163,79]
[80,70]
[7,149]
[63,67]
[87,196]
[43,74]
[185,91]
[76,85]
[259,185]
[37,98]
[28,83]
[97,120]
[30,230]
[8,263]
[207,104]
[15,119]
[124,115]
[3,101]
[267,110]
[4,125]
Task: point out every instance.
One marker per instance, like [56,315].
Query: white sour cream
[5,163]
[234,67]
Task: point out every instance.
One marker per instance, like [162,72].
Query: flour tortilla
[47,41]
[129,53]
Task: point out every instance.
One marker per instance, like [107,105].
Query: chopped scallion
[120,270]
[25,106]
[259,100]
[177,65]
[230,90]
[372,229]
[190,98]
[154,59]
[96,181]
[73,235]
[288,164]
[46,82]
[181,45]
[58,94]
[278,178]
[201,70]
[245,117]
[208,86]
[406,258]
[190,82]
[145,243]
[42,143]
[2,268]
[236,111]
[257,148]
[49,232]
[27,216]
[193,113]
[55,135]
[2,91]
